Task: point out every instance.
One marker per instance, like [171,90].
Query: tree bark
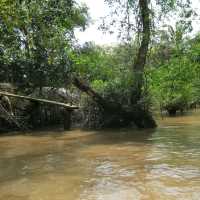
[118,114]
[140,61]
[108,106]
[142,118]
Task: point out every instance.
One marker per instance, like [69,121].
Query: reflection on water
[107,165]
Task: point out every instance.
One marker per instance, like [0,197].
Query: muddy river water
[104,165]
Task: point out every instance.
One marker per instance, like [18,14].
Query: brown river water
[160,164]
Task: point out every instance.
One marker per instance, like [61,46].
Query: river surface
[160,164]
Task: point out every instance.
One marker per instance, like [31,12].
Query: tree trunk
[109,106]
[115,113]
[120,114]
[140,61]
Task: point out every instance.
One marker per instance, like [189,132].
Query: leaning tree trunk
[140,61]
[106,105]
[120,113]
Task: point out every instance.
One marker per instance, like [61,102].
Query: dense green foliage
[35,39]
[107,70]
[172,73]
[174,70]
[153,67]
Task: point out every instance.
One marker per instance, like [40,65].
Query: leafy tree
[194,57]
[36,38]
[37,49]
[173,72]
[103,68]
[133,16]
